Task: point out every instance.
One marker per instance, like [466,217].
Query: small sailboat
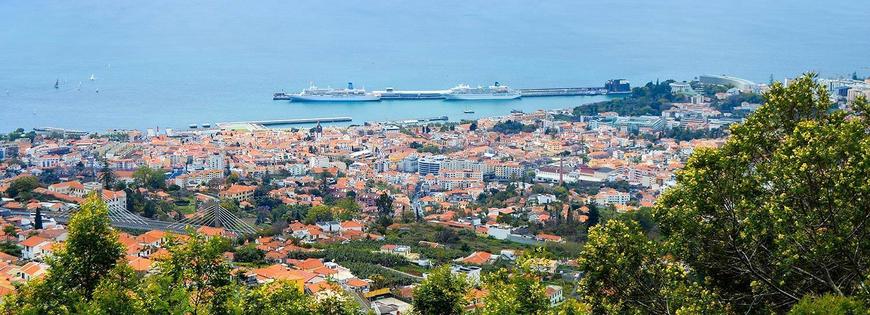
[57,84]
[93,77]
[468,111]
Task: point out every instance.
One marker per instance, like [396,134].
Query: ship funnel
[350,85]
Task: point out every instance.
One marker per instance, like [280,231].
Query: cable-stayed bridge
[210,214]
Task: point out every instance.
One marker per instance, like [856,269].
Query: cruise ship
[493,92]
[350,94]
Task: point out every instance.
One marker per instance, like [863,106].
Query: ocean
[169,64]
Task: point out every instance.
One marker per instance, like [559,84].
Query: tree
[594,216]
[319,213]
[441,292]
[146,177]
[10,230]
[781,210]
[385,204]
[518,291]
[346,209]
[829,304]
[276,298]
[329,302]
[249,253]
[37,224]
[22,188]
[107,177]
[193,279]
[624,272]
[90,252]
[117,293]
[385,212]
[572,307]
[232,179]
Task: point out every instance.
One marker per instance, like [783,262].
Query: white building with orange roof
[73,188]
[239,193]
[32,247]
[31,270]
[610,196]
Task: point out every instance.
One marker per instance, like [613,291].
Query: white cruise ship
[493,92]
[350,94]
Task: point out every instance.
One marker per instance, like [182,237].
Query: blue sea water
[173,63]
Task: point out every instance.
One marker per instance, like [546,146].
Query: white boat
[350,94]
[93,77]
[493,92]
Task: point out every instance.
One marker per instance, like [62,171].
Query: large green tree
[107,177]
[517,291]
[441,292]
[781,210]
[277,298]
[90,252]
[22,187]
[625,272]
[193,279]
[150,178]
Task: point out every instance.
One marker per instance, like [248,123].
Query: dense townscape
[612,207]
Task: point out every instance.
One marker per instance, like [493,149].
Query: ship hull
[326,98]
[480,97]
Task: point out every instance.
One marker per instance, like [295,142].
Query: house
[329,226]
[72,188]
[357,285]
[351,226]
[390,306]
[210,232]
[238,193]
[499,232]
[549,238]
[554,294]
[610,196]
[149,242]
[279,272]
[542,199]
[477,258]
[472,273]
[32,247]
[31,270]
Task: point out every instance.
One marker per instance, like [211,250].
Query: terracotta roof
[350,224]
[140,264]
[477,258]
[356,283]
[277,272]
[237,189]
[33,241]
[309,264]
